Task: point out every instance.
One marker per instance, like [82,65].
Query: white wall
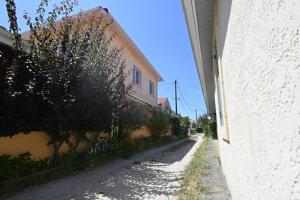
[261,63]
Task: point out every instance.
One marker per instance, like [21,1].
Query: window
[151,87]
[137,76]
[220,97]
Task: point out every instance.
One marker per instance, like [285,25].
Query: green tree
[184,123]
[207,125]
[17,111]
[159,123]
[77,78]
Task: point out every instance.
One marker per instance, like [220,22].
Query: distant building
[164,104]
[192,124]
[248,60]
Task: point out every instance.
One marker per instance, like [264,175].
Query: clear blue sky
[158,28]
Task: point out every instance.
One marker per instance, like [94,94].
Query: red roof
[162,100]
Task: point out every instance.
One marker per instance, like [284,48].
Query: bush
[175,126]
[74,161]
[199,129]
[208,126]
[22,165]
[159,124]
[180,126]
[184,123]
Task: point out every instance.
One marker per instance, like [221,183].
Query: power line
[184,100]
[167,89]
[165,83]
[198,88]
[184,107]
[182,93]
[194,104]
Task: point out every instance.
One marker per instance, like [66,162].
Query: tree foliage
[16,111]
[207,125]
[180,125]
[184,123]
[159,123]
[75,78]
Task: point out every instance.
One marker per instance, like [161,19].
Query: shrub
[180,126]
[208,126]
[199,129]
[73,161]
[22,165]
[175,125]
[159,124]
[184,123]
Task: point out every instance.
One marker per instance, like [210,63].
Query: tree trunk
[56,146]
[55,152]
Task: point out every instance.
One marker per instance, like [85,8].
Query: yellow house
[141,73]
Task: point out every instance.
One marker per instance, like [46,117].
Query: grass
[191,187]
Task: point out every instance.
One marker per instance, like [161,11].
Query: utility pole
[176,96]
[196,114]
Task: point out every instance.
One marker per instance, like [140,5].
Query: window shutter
[140,77]
[133,74]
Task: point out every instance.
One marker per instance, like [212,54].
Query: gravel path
[154,174]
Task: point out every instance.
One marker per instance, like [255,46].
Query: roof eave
[5,38]
[134,46]
[203,62]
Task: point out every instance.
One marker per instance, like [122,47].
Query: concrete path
[154,174]
[214,181]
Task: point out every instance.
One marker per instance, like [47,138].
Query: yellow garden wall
[144,131]
[36,143]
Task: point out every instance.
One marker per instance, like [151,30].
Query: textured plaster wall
[261,63]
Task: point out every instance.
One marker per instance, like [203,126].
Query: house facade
[248,60]
[141,72]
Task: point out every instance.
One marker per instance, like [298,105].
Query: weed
[191,187]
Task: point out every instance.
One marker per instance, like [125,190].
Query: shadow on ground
[153,174]
[153,177]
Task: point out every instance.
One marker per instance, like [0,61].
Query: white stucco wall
[261,63]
